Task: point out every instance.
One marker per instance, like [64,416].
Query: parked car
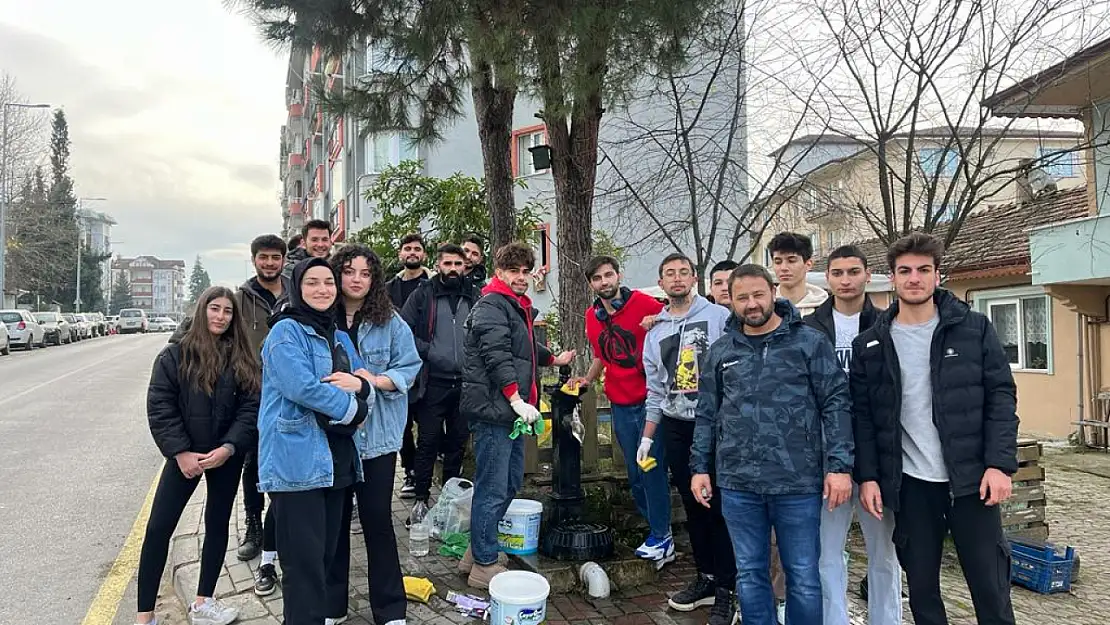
[97,319]
[74,327]
[85,325]
[5,342]
[162,324]
[113,323]
[54,326]
[23,330]
[133,320]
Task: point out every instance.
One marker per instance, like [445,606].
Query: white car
[162,324]
[5,342]
[133,320]
[23,330]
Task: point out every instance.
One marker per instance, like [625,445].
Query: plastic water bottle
[419,539]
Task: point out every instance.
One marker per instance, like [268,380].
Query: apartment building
[836,178]
[328,162]
[157,286]
[96,237]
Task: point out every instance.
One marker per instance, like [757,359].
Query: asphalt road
[76,465]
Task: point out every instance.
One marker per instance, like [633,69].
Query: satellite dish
[1040,182]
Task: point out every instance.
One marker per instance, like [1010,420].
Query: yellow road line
[103,609]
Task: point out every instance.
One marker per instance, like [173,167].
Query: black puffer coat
[500,351]
[974,400]
[183,418]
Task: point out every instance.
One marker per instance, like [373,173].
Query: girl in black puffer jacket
[202,405]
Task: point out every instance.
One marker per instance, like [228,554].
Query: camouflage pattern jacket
[776,419]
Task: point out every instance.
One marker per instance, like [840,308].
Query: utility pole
[5,174]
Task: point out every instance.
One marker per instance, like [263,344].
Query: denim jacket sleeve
[404,361]
[289,360]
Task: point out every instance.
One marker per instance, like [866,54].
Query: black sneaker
[265,580]
[701,591]
[251,545]
[724,610]
[408,488]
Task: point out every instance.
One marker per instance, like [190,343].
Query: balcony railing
[296,159]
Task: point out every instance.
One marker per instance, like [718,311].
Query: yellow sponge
[418,589]
[647,464]
[570,390]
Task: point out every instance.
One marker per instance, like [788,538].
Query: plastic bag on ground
[451,514]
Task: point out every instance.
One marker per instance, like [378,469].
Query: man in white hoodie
[791,260]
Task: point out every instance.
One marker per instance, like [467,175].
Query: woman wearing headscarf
[390,363]
[202,405]
[311,407]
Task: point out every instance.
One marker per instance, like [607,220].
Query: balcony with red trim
[296,110]
[296,159]
[296,207]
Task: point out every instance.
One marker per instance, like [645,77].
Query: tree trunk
[574,169]
[493,109]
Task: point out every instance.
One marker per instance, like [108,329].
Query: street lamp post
[77,300]
[4,174]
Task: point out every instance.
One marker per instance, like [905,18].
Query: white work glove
[526,411]
[644,449]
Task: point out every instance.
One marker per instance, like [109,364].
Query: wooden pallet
[1024,514]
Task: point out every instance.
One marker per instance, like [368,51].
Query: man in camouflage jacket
[774,419]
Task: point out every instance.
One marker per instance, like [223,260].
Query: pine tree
[198,282]
[59,271]
[121,296]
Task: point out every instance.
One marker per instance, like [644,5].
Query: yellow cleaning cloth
[647,464]
[571,390]
[418,589]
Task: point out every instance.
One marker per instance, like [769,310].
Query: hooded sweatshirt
[814,297]
[675,354]
[618,341]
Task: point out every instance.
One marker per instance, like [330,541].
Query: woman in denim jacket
[390,363]
[307,459]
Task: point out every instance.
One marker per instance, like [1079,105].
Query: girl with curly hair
[390,364]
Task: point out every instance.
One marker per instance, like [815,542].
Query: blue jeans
[651,491]
[498,474]
[884,576]
[796,520]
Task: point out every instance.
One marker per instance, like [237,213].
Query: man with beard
[475,260]
[934,405]
[674,356]
[437,311]
[315,241]
[257,298]
[413,273]
[613,326]
[772,386]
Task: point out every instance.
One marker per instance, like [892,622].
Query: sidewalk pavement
[1077,508]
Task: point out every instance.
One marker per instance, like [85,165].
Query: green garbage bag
[455,544]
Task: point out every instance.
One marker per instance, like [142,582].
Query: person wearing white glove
[644,450]
[526,411]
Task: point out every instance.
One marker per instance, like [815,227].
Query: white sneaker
[782,613]
[212,612]
[335,621]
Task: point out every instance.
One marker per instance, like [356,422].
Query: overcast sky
[175,110]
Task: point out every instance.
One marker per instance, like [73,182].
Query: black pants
[308,527]
[408,446]
[253,501]
[708,532]
[173,493]
[387,588]
[442,429]
[926,513]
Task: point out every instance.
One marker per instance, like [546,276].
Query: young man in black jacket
[500,385]
[841,318]
[934,407]
[437,311]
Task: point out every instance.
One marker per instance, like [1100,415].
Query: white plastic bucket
[519,531]
[518,598]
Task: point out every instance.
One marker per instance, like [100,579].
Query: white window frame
[524,165]
[998,297]
[1058,163]
[399,149]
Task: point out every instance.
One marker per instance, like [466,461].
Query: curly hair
[377,308]
[513,255]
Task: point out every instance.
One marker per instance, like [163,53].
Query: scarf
[322,321]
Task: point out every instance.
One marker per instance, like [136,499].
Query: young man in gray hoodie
[674,355]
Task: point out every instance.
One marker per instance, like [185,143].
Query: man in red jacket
[613,325]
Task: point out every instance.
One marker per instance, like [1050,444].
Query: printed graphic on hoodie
[618,346]
[683,355]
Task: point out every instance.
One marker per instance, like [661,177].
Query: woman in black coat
[202,405]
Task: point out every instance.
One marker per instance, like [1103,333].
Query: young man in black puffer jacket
[934,409]
[500,384]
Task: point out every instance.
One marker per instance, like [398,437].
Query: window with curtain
[1024,329]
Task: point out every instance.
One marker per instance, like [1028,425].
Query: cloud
[235,252]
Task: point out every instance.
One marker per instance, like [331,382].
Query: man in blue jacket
[771,387]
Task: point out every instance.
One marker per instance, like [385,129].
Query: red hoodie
[496,285]
[619,343]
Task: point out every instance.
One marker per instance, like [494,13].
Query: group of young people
[782,412]
[776,410]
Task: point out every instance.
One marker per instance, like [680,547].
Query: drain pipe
[1080,339]
[595,579]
